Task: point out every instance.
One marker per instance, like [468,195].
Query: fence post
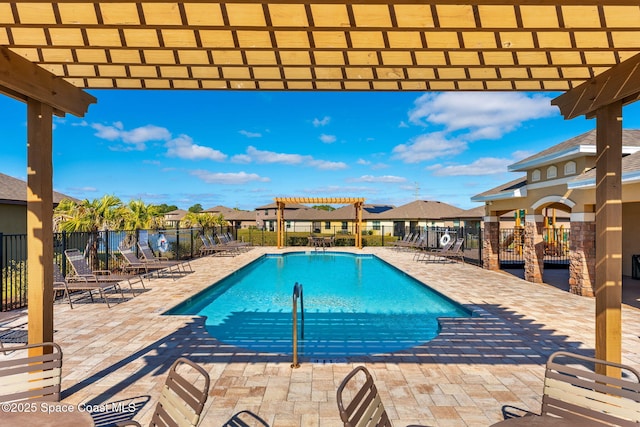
[2,271]
[64,257]
[191,232]
[177,240]
[107,248]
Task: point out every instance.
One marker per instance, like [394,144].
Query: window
[288,224]
[535,175]
[344,225]
[327,225]
[376,225]
[552,172]
[570,168]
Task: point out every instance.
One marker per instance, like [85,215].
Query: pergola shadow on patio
[466,375]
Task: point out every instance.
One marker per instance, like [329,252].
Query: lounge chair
[573,390]
[82,283]
[455,251]
[364,407]
[429,254]
[82,270]
[135,265]
[220,249]
[149,257]
[183,396]
[226,239]
[404,241]
[208,248]
[25,377]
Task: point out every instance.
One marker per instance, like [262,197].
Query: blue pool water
[353,305]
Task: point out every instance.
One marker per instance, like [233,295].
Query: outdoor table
[36,417]
[543,421]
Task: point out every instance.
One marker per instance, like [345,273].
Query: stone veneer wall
[491,245]
[582,262]
[533,251]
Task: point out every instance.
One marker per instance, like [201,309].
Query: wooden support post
[358,206]
[608,286]
[39,222]
[280,224]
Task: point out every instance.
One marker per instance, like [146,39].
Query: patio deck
[465,377]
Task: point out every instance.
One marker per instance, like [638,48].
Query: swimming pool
[354,305]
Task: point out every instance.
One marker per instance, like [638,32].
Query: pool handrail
[297,294]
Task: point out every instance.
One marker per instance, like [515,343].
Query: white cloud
[482,115]
[321,122]
[327,165]
[232,178]
[427,147]
[379,166]
[250,134]
[385,179]
[241,158]
[327,139]
[262,156]
[184,148]
[481,166]
[363,162]
[135,139]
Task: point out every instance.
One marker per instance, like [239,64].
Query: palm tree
[89,216]
[205,220]
[138,215]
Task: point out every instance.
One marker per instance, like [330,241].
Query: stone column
[582,254]
[533,248]
[491,243]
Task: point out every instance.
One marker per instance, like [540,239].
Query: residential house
[13,204]
[562,178]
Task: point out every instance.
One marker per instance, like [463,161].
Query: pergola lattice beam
[23,80]
[619,83]
[357,202]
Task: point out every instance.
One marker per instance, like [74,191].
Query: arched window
[535,175]
[570,168]
[552,172]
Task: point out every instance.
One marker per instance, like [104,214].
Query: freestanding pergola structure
[589,49]
[357,202]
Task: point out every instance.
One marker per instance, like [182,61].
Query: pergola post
[39,222]
[358,207]
[608,286]
[280,224]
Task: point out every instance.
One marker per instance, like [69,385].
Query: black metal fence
[556,247]
[185,244]
[103,245]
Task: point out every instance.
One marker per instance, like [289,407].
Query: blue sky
[242,149]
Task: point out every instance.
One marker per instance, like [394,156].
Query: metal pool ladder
[297,294]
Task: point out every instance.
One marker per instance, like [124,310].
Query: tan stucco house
[562,177]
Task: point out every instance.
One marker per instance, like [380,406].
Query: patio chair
[358,401]
[183,396]
[226,239]
[428,254]
[455,251]
[25,377]
[404,240]
[574,391]
[83,284]
[82,270]
[149,256]
[221,249]
[10,333]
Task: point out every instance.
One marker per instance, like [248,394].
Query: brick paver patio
[475,369]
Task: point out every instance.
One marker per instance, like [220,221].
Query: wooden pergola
[589,49]
[357,202]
